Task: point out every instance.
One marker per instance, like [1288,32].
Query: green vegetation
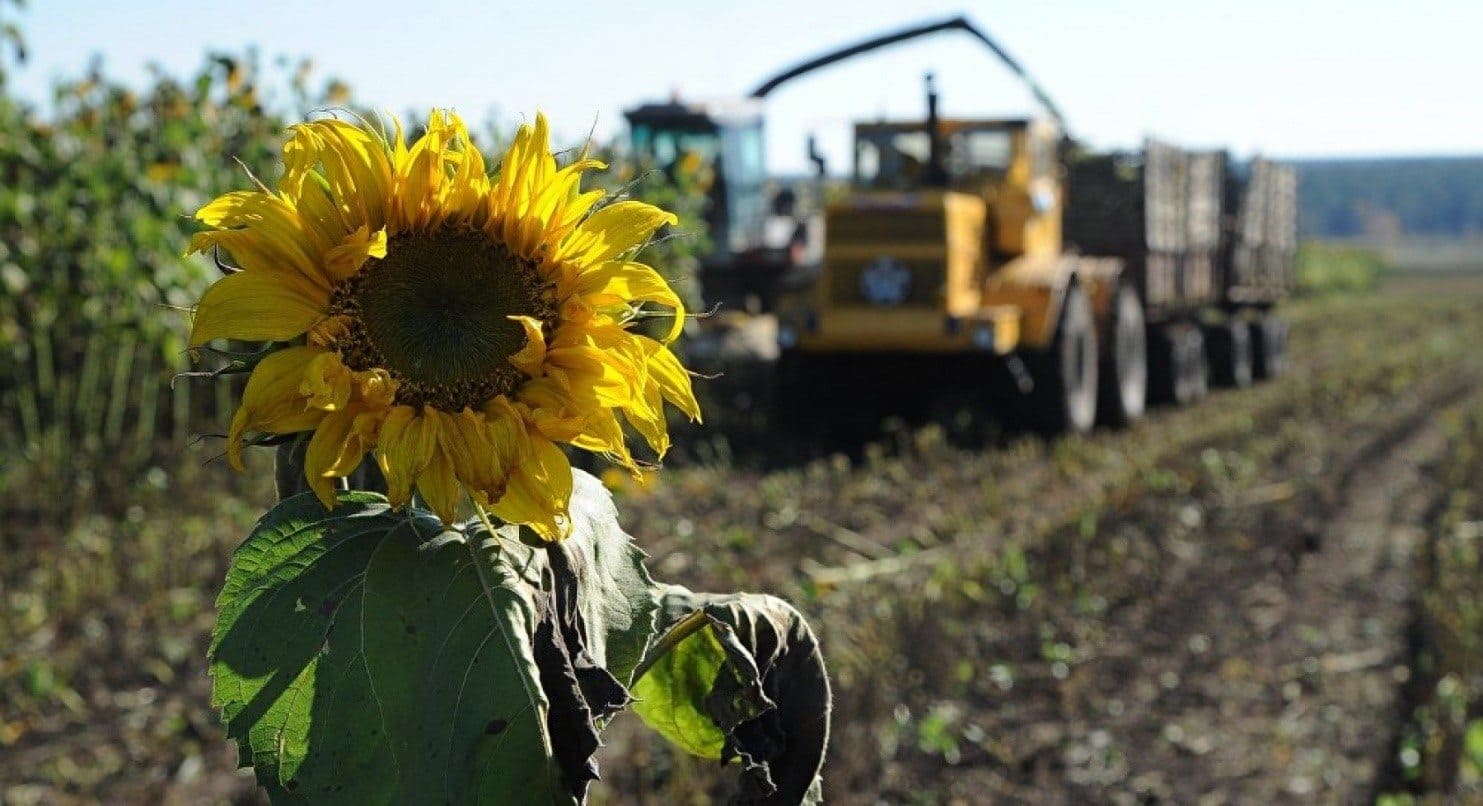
[1326,268]
[95,210]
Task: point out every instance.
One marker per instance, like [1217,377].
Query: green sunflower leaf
[740,676]
[369,656]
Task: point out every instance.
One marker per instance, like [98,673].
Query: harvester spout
[907,34]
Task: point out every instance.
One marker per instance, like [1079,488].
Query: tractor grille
[909,239]
[927,288]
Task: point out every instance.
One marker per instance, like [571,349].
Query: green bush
[1324,269]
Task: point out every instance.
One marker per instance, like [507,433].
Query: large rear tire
[1123,395]
[1064,399]
[1228,346]
[1269,347]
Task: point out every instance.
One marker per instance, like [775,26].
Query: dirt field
[1270,597]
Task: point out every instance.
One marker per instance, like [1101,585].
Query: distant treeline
[1386,198]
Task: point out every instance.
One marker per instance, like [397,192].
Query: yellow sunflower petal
[326,383]
[438,486]
[357,170]
[611,378]
[530,357]
[623,283]
[272,402]
[540,490]
[646,415]
[612,231]
[374,388]
[274,222]
[672,378]
[256,306]
[345,260]
[254,250]
[467,441]
[603,434]
[323,455]
[338,447]
[552,411]
[404,449]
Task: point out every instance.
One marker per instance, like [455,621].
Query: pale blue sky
[1295,78]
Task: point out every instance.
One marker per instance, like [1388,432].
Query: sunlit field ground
[1277,594]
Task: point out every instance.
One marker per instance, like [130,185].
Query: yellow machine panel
[976,264]
[906,272]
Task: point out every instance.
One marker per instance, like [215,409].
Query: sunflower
[457,324]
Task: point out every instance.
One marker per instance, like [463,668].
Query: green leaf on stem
[369,656]
[740,677]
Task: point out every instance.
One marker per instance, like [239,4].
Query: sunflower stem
[488,524]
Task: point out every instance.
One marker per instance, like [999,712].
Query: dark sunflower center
[435,313]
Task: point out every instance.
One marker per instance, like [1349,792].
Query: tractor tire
[1178,372]
[1064,398]
[1228,346]
[1269,347]
[1123,394]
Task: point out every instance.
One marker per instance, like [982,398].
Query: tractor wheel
[1064,399]
[1228,346]
[1269,347]
[1178,372]
[1124,372]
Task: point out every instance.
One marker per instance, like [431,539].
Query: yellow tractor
[993,264]
[944,271]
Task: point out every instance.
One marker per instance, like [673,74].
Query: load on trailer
[991,258]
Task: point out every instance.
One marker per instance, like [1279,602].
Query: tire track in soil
[1284,688]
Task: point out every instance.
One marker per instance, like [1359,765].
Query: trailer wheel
[1196,367]
[1178,372]
[1228,346]
[1269,347]
[1065,376]
[1123,395]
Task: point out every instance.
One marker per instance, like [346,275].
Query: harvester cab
[717,149]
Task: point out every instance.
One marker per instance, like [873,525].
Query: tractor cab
[718,148]
[1008,164]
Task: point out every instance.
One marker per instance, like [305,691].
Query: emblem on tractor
[885,281]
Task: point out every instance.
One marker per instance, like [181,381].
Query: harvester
[762,243]
[994,263]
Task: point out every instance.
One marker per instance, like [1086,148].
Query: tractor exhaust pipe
[936,172]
